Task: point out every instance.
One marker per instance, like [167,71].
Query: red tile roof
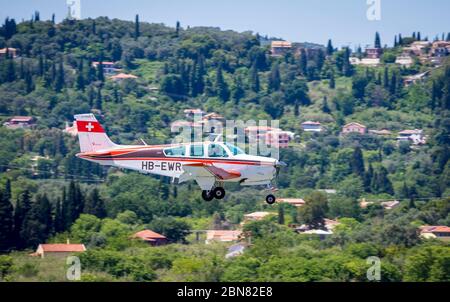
[63,247]
[435,229]
[121,76]
[148,235]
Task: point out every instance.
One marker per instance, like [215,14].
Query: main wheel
[270,199]
[219,193]
[207,195]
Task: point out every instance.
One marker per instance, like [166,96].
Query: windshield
[235,150]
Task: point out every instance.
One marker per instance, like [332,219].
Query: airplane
[210,164]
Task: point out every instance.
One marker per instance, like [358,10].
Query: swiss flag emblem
[85,126]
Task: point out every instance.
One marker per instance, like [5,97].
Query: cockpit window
[235,150]
[216,150]
[197,150]
[176,151]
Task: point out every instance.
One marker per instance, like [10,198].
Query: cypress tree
[100,72]
[221,86]
[368,176]
[95,205]
[8,189]
[59,81]
[332,82]
[53,19]
[6,223]
[41,65]
[357,162]
[381,182]
[23,206]
[136,28]
[98,100]
[274,78]
[37,225]
[419,36]
[177,29]
[59,218]
[386,78]
[377,40]
[238,89]
[303,64]
[330,48]
[254,78]
[281,214]
[325,107]
[395,41]
[393,85]
[10,75]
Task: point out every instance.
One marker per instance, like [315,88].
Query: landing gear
[219,193]
[207,195]
[270,199]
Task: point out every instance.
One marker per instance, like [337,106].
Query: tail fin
[91,134]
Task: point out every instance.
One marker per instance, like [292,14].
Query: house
[108,67]
[418,48]
[71,130]
[329,226]
[389,205]
[406,61]
[279,48]
[12,52]
[222,236]
[409,80]
[214,117]
[365,61]
[354,127]
[150,237]
[440,48]
[58,249]
[17,122]
[278,138]
[383,132]
[440,232]
[414,136]
[123,76]
[190,113]
[374,53]
[256,216]
[297,202]
[310,126]
[236,250]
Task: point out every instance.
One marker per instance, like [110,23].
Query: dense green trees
[6,223]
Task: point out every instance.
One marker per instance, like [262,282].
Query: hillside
[49,195]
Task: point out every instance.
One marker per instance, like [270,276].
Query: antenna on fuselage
[142,140]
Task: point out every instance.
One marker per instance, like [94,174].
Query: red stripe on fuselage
[193,160]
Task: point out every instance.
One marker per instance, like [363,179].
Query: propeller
[278,165]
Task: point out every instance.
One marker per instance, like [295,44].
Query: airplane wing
[206,175]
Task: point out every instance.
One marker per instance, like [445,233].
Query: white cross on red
[89,127]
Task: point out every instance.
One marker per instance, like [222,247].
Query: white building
[310,126]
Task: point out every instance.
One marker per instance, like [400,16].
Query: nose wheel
[270,199]
[218,193]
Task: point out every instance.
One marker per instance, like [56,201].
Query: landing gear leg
[207,195]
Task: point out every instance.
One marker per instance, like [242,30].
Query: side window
[215,150]
[177,151]
[197,150]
